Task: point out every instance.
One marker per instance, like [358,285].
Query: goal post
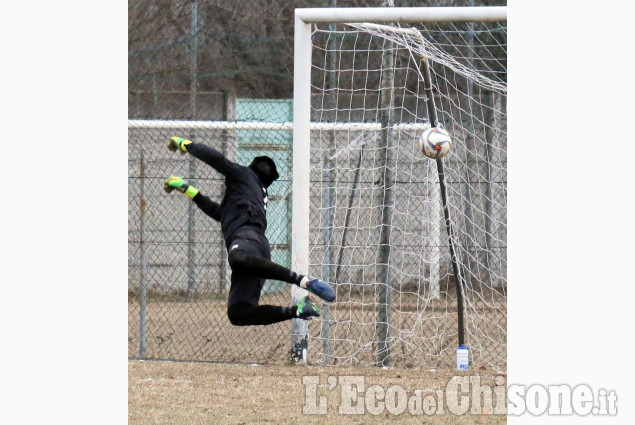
[396,207]
[399,15]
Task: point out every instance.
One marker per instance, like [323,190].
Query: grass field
[179,393]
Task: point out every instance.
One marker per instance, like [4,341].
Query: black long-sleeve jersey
[245,199]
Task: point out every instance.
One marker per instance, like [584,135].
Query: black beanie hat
[265,169]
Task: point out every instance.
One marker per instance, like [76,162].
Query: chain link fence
[178,272]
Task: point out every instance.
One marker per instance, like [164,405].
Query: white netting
[412,40]
[377,228]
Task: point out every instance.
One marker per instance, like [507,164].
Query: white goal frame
[304,18]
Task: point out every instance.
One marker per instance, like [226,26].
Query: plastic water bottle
[462,358]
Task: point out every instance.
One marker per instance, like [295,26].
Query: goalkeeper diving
[242,214]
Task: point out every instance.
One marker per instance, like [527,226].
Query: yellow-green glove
[178,143]
[177,183]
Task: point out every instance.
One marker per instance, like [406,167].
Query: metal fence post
[328,203]
[143,293]
[191,228]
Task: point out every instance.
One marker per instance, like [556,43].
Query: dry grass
[206,393]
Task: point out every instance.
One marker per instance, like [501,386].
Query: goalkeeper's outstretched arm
[207,154]
[206,205]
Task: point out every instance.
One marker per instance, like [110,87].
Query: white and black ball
[435,142]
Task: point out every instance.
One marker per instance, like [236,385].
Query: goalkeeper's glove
[178,143]
[177,183]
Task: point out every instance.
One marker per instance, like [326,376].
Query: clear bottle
[462,358]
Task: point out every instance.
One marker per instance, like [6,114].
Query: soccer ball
[435,142]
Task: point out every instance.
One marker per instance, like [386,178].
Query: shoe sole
[323,291]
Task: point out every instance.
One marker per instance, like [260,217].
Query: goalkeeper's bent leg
[250,254]
[267,269]
[261,267]
[243,314]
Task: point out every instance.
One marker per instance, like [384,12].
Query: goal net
[376,220]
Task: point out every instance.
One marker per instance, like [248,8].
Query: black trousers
[242,314]
[250,261]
